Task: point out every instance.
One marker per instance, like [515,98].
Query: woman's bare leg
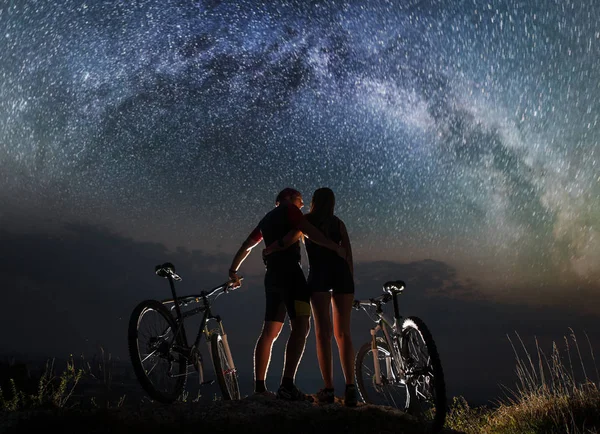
[321,302]
[342,310]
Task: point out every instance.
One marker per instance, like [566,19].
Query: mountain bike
[400,367]
[159,348]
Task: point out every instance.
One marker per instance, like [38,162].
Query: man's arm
[290,238]
[252,241]
[318,237]
[346,245]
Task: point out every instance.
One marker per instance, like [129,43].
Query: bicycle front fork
[226,346]
[375,351]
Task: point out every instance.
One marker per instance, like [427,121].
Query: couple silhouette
[328,289]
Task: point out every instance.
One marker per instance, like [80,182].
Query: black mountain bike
[401,368]
[159,348]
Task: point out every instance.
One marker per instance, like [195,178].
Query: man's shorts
[286,290]
[335,277]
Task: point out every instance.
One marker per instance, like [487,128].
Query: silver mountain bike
[159,349]
[400,365]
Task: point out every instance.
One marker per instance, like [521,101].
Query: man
[285,289]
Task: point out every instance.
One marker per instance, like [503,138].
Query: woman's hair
[322,205]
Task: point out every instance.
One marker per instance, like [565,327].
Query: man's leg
[296,297]
[272,325]
[294,348]
[262,352]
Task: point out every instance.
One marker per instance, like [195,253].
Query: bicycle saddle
[393,287]
[165,269]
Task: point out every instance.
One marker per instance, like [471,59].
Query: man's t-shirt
[274,226]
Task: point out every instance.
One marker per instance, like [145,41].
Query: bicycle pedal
[207,383]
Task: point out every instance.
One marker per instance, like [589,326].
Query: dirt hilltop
[250,415]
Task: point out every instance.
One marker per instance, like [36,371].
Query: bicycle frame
[391,336]
[180,316]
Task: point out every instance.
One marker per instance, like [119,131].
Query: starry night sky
[460,139]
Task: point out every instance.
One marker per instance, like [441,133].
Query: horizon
[478,362]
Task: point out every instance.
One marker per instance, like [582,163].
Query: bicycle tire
[161,347]
[226,377]
[389,393]
[434,366]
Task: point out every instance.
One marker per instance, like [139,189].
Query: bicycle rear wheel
[424,374]
[152,334]
[391,392]
[226,375]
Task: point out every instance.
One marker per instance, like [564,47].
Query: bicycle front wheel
[152,335]
[226,374]
[390,391]
[424,374]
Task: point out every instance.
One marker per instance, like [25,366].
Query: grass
[554,394]
[83,383]
[51,390]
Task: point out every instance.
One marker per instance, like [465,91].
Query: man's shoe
[351,397]
[325,396]
[292,394]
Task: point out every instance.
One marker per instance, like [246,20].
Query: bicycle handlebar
[223,286]
[227,286]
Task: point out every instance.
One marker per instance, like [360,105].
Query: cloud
[72,290]
[429,276]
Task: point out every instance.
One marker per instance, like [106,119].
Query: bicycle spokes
[418,365]
[161,364]
[230,374]
[391,390]
[420,378]
[226,374]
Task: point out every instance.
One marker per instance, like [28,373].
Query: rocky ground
[254,414]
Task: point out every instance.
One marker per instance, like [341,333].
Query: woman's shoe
[350,397]
[325,396]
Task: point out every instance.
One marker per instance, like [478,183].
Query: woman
[331,281]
